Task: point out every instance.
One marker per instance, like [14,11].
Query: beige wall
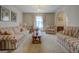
[28,19]
[71,15]
[12,24]
[48,18]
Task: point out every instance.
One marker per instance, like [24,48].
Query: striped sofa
[69,38]
[11,37]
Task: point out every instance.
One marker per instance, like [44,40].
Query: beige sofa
[10,36]
[69,38]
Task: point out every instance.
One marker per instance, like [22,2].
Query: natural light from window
[39,22]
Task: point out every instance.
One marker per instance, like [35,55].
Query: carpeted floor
[49,45]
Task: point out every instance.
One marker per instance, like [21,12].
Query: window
[39,22]
[5,14]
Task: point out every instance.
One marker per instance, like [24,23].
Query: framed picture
[13,16]
[5,14]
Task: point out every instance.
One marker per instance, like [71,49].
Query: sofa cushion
[77,34]
[73,43]
[19,30]
[18,37]
[16,30]
[70,39]
[6,31]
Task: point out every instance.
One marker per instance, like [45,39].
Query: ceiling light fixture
[38,9]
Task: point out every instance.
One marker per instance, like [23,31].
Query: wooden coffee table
[36,39]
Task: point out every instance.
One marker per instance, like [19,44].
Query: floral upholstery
[70,38]
[73,45]
[11,36]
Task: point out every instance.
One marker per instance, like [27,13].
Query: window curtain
[44,22]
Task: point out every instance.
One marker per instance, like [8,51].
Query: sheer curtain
[38,22]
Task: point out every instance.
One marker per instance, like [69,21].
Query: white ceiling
[37,8]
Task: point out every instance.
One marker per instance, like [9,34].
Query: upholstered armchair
[51,30]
